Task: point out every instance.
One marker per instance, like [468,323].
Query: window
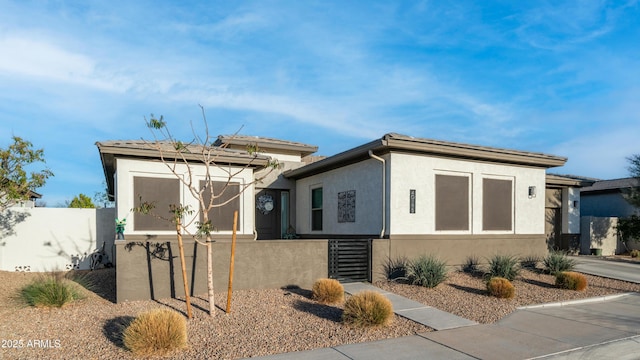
[452,203]
[316,209]
[221,217]
[497,205]
[284,213]
[162,192]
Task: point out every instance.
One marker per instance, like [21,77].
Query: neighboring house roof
[110,150]
[615,185]
[558,181]
[265,144]
[404,143]
[30,193]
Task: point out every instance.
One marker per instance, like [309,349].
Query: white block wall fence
[52,239]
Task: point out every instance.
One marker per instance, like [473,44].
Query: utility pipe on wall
[384,190]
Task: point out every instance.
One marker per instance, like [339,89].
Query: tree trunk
[212,305]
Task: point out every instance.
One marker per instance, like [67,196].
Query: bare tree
[201,152]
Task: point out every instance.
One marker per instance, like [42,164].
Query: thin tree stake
[233,251]
[184,269]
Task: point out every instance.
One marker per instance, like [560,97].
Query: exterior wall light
[532,192]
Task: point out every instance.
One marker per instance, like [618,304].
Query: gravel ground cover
[465,295]
[262,322]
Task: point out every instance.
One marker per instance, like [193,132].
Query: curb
[579,301]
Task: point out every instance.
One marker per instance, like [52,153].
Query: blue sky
[548,76]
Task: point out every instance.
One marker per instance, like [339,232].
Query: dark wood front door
[268,209]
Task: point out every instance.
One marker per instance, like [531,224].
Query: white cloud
[44,61]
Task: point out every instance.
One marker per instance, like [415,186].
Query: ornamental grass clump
[367,309]
[327,291]
[396,269]
[471,265]
[571,280]
[427,271]
[156,332]
[51,290]
[529,262]
[501,288]
[504,266]
[558,261]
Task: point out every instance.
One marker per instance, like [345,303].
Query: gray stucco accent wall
[151,269]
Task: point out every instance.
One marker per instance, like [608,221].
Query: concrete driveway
[620,270]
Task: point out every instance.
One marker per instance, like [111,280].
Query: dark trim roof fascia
[390,142]
[267,144]
[120,149]
[560,181]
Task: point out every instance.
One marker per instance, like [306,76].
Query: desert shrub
[471,265]
[367,308]
[427,271]
[558,261]
[504,266]
[635,253]
[396,269]
[50,290]
[501,288]
[571,280]
[529,261]
[156,332]
[327,291]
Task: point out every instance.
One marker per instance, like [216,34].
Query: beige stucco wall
[600,233]
[365,178]
[127,169]
[418,172]
[258,265]
[409,171]
[571,211]
[49,239]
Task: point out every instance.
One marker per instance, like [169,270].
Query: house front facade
[405,196]
[423,196]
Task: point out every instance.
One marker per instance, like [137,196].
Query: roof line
[397,142]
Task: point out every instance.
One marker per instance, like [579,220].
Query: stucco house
[602,204]
[427,196]
[606,198]
[396,196]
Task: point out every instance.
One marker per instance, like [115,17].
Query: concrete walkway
[413,310]
[598,328]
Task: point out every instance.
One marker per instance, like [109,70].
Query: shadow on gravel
[183,309]
[114,328]
[322,311]
[102,282]
[469,289]
[296,290]
[538,283]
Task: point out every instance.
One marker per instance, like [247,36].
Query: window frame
[469,203]
[170,227]
[314,210]
[512,204]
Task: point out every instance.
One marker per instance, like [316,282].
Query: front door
[268,218]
